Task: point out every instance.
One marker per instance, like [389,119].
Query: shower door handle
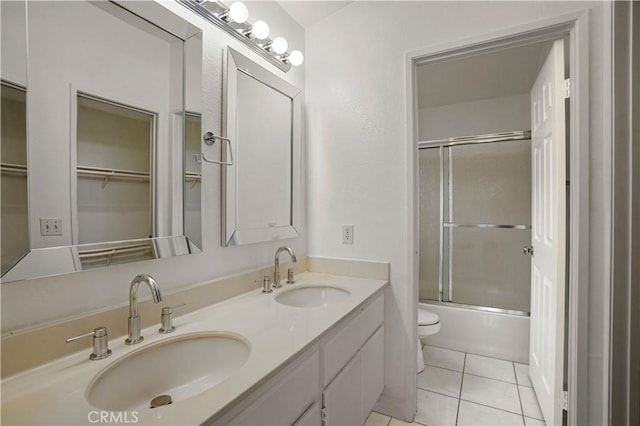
[528,250]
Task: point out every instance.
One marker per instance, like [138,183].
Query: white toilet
[428,324]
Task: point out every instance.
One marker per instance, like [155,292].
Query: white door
[548,229]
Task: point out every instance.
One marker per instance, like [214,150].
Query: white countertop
[54,393]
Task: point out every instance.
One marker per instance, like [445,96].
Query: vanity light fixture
[237,12]
[278,45]
[259,30]
[295,58]
[233,20]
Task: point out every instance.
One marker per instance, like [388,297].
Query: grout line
[493,378]
[439,393]
[446,349]
[519,397]
[389,422]
[445,368]
[464,366]
[490,406]
[493,357]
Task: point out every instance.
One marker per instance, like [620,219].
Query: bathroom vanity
[307,352]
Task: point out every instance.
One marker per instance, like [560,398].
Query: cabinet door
[372,362]
[311,417]
[342,399]
[286,401]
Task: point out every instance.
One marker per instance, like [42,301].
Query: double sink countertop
[56,393]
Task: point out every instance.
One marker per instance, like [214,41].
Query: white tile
[471,414]
[377,419]
[522,373]
[443,358]
[435,409]
[534,422]
[493,393]
[440,380]
[530,406]
[491,368]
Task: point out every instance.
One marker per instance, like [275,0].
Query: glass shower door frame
[446,227]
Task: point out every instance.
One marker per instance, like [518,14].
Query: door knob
[528,250]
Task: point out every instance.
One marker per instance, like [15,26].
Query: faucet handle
[100,342]
[266,284]
[166,319]
[290,278]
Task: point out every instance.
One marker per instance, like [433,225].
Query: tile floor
[458,388]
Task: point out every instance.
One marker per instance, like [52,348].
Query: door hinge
[567,88]
[565,400]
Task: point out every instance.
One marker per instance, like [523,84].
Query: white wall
[358,152]
[33,302]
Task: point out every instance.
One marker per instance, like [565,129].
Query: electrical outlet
[347,234]
[50,226]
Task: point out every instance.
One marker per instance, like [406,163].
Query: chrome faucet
[276,268]
[134,318]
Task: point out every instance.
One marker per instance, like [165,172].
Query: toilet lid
[427,318]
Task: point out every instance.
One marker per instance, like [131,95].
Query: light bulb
[238,12]
[260,30]
[279,45]
[296,58]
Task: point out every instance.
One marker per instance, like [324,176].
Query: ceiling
[307,13]
[497,74]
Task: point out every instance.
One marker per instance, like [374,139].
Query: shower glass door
[475,219]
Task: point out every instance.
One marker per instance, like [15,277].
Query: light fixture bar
[237,33]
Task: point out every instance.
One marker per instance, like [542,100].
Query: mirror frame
[235,63]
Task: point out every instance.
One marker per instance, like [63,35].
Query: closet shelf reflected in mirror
[113,255]
[99,172]
[14,169]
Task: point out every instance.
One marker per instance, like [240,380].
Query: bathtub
[491,334]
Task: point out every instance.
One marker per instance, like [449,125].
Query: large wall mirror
[101,106]
[261,190]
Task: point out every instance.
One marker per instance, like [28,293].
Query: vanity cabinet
[336,382]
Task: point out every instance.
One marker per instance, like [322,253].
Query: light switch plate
[50,226]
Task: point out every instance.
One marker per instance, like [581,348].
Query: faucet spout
[134,319]
[276,268]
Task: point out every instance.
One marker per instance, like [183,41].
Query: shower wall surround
[509,113]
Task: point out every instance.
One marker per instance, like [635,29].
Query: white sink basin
[180,367]
[313,295]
